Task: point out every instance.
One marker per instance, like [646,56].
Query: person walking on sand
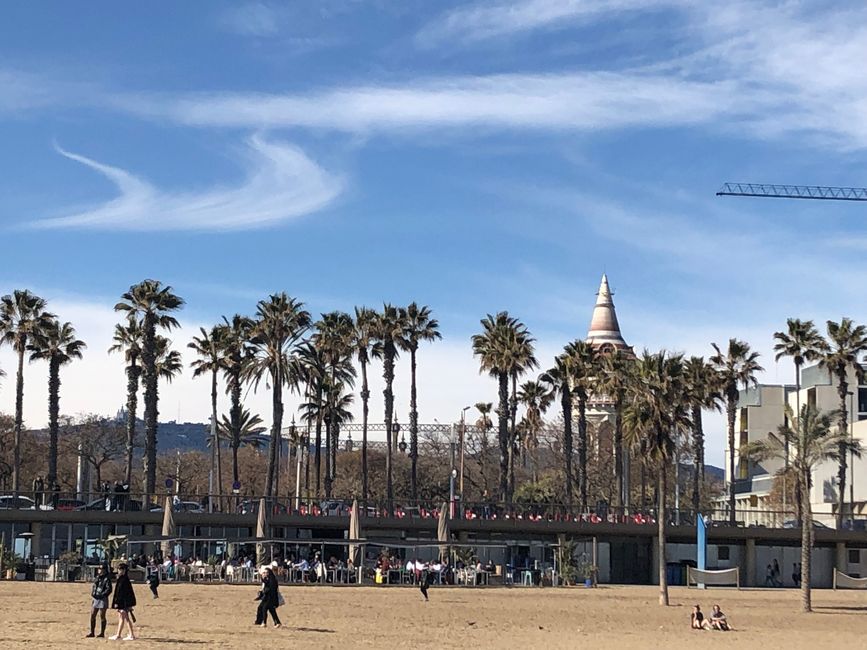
[99,593]
[426,581]
[269,598]
[124,602]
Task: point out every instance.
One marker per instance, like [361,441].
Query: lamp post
[452,472]
[463,445]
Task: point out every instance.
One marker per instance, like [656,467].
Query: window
[745,418]
[862,399]
[811,396]
[854,556]
[722,553]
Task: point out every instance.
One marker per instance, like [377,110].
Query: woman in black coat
[269,598]
[99,600]
[123,601]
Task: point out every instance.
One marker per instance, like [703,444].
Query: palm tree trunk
[503,431]
[317,454]
[151,400]
[842,391]
[235,414]
[388,394]
[806,546]
[19,417]
[413,428]
[328,451]
[365,396]
[513,433]
[617,453]
[660,539]
[566,404]
[697,457]
[582,450]
[133,375]
[276,426]
[53,412]
[215,448]
[730,414]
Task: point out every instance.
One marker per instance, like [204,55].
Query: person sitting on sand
[718,620]
[697,619]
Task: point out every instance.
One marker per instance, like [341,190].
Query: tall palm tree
[281,321]
[233,340]
[249,433]
[333,337]
[846,343]
[536,397]
[418,326]
[803,343]
[168,361]
[585,367]
[387,333]
[656,412]
[22,315]
[55,343]
[559,378]
[612,379]
[702,385]
[523,359]
[309,369]
[501,344]
[812,439]
[736,368]
[208,347]
[127,339]
[362,341]
[151,303]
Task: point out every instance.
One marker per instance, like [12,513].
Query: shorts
[99,603]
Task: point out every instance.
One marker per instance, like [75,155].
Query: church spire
[604,327]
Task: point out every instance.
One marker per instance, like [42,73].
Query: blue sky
[472,156]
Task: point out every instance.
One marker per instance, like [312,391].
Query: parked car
[334,508]
[10,502]
[69,504]
[102,503]
[796,523]
[181,506]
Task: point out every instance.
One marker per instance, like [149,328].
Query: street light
[402,444]
[463,445]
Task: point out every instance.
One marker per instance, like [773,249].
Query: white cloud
[595,100]
[282,183]
[486,20]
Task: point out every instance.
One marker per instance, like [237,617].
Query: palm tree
[813,441]
[846,343]
[233,340]
[655,413]
[702,385]
[499,347]
[309,369]
[249,433]
[333,337]
[536,397]
[127,339]
[523,359]
[55,343]
[585,365]
[208,347]
[168,362]
[280,323]
[736,368]
[611,380]
[418,325]
[802,342]
[362,341]
[387,333]
[151,303]
[559,378]
[22,315]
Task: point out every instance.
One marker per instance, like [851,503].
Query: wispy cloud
[595,100]
[481,21]
[251,19]
[282,183]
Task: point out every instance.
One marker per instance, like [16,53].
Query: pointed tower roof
[604,327]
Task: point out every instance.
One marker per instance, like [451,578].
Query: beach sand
[55,615]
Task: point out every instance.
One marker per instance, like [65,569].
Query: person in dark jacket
[123,601]
[99,593]
[153,580]
[269,598]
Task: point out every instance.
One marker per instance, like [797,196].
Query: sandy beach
[51,615]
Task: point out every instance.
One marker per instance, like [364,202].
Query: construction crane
[794,191]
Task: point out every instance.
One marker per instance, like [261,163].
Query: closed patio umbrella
[261,531]
[168,528]
[443,531]
[355,533]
